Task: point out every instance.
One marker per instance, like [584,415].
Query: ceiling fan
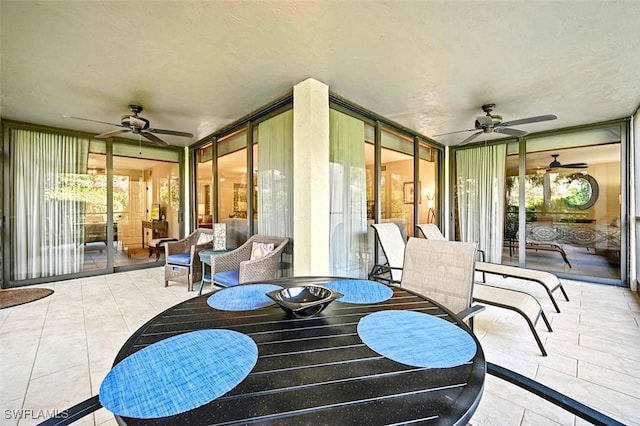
[138,126]
[555,164]
[493,123]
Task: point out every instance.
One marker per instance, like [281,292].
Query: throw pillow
[260,250]
[204,239]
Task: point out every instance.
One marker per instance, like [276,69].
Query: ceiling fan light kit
[490,123]
[132,123]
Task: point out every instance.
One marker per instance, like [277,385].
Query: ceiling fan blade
[170,132]
[153,138]
[575,166]
[529,120]
[512,132]
[93,121]
[470,138]
[112,133]
[452,133]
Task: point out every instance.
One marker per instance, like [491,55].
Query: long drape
[275,176]
[48,213]
[480,195]
[348,203]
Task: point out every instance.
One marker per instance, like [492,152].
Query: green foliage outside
[566,193]
[91,190]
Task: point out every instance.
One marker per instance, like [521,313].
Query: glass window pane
[573,206]
[204,187]
[138,185]
[349,251]
[145,151]
[429,202]
[398,186]
[232,196]
[94,192]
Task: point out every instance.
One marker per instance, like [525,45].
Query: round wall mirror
[584,191]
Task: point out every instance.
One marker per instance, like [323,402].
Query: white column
[311,178]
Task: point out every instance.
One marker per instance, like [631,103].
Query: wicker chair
[182,263]
[237,266]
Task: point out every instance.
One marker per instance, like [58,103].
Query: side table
[205,259]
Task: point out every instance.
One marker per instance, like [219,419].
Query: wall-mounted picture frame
[408,191]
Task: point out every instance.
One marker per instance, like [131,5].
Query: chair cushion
[227,278]
[260,250]
[204,238]
[183,259]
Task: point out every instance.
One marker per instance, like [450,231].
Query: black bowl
[304,301]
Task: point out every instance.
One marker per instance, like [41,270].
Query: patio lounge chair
[442,271]
[549,281]
[517,301]
[392,244]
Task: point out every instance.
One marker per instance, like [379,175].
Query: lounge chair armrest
[470,312]
[481,256]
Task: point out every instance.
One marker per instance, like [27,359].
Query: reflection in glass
[204,183]
[572,214]
[231,203]
[139,184]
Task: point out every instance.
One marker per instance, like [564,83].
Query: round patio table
[317,370]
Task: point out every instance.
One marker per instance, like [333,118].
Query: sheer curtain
[348,204]
[480,194]
[275,176]
[48,211]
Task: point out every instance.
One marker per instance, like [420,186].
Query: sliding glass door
[204,187]
[80,206]
[573,206]
[348,202]
[54,193]
[146,205]
[558,210]
[232,188]
[357,196]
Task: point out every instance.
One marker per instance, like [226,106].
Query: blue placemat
[360,291]
[178,374]
[242,298]
[416,339]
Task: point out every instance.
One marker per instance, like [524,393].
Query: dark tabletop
[317,370]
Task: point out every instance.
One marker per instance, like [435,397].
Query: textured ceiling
[197,66]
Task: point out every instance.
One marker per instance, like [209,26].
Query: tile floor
[56,351]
